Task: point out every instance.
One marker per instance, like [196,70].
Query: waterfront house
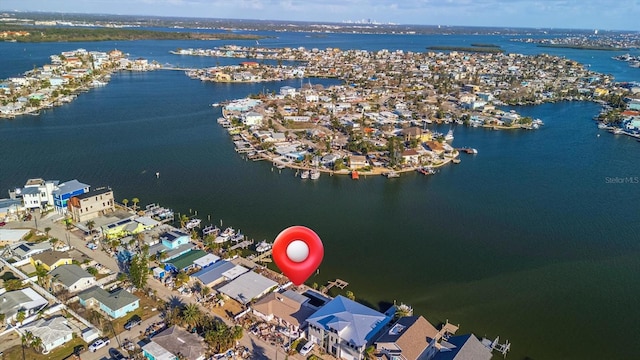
[219,272]
[206,261]
[416,132]
[463,347]
[26,300]
[72,278]
[53,332]
[252,118]
[288,309]
[344,328]
[357,162]
[37,193]
[184,262]
[411,157]
[119,227]
[50,259]
[116,303]
[247,287]
[174,238]
[91,204]
[435,146]
[410,338]
[66,191]
[287,91]
[174,343]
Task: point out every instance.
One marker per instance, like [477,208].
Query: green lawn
[62,352]
[144,311]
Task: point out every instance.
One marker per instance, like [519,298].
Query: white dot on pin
[297,251]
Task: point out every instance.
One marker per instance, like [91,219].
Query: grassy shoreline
[54,34]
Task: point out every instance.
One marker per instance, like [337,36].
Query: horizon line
[344,22]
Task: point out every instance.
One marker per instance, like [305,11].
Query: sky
[577,14]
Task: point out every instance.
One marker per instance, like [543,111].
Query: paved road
[132,334]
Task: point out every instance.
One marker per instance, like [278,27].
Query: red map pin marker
[298,252]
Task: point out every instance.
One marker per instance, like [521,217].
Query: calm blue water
[529,239]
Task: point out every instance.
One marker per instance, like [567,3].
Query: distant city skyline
[574,14]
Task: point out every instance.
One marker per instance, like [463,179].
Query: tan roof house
[357,161]
[172,342]
[287,309]
[410,338]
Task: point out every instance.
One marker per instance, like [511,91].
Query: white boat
[263,246]
[314,174]
[304,174]
[449,136]
[281,166]
[392,174]
[616,131]
[192,224]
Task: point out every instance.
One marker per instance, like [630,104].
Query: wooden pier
[340,284]
[245,244]
[264,257]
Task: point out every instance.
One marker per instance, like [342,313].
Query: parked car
[78,349]
[135,320]
[2,223]
[306,349]
[92,246]
[98,344]
[116,355]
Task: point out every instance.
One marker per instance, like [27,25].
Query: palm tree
[25,340]
[135,202]
[125,202]
[181,278]
[403,310]
[41,273]
[20,316]
[191,315]
[369,352]
[184,219]
[204,291]
[36,343]
[91,225]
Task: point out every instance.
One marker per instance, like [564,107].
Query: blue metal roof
[213,272]
[354,322]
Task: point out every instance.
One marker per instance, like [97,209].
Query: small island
[379,121]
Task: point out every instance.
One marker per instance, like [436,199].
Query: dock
[264,257]
[242,245]
[340,284]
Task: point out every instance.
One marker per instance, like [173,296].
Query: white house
[252,118]
[344,328]
[25,300]
[38,193]
[287,91]
[73,278]
[53,332]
